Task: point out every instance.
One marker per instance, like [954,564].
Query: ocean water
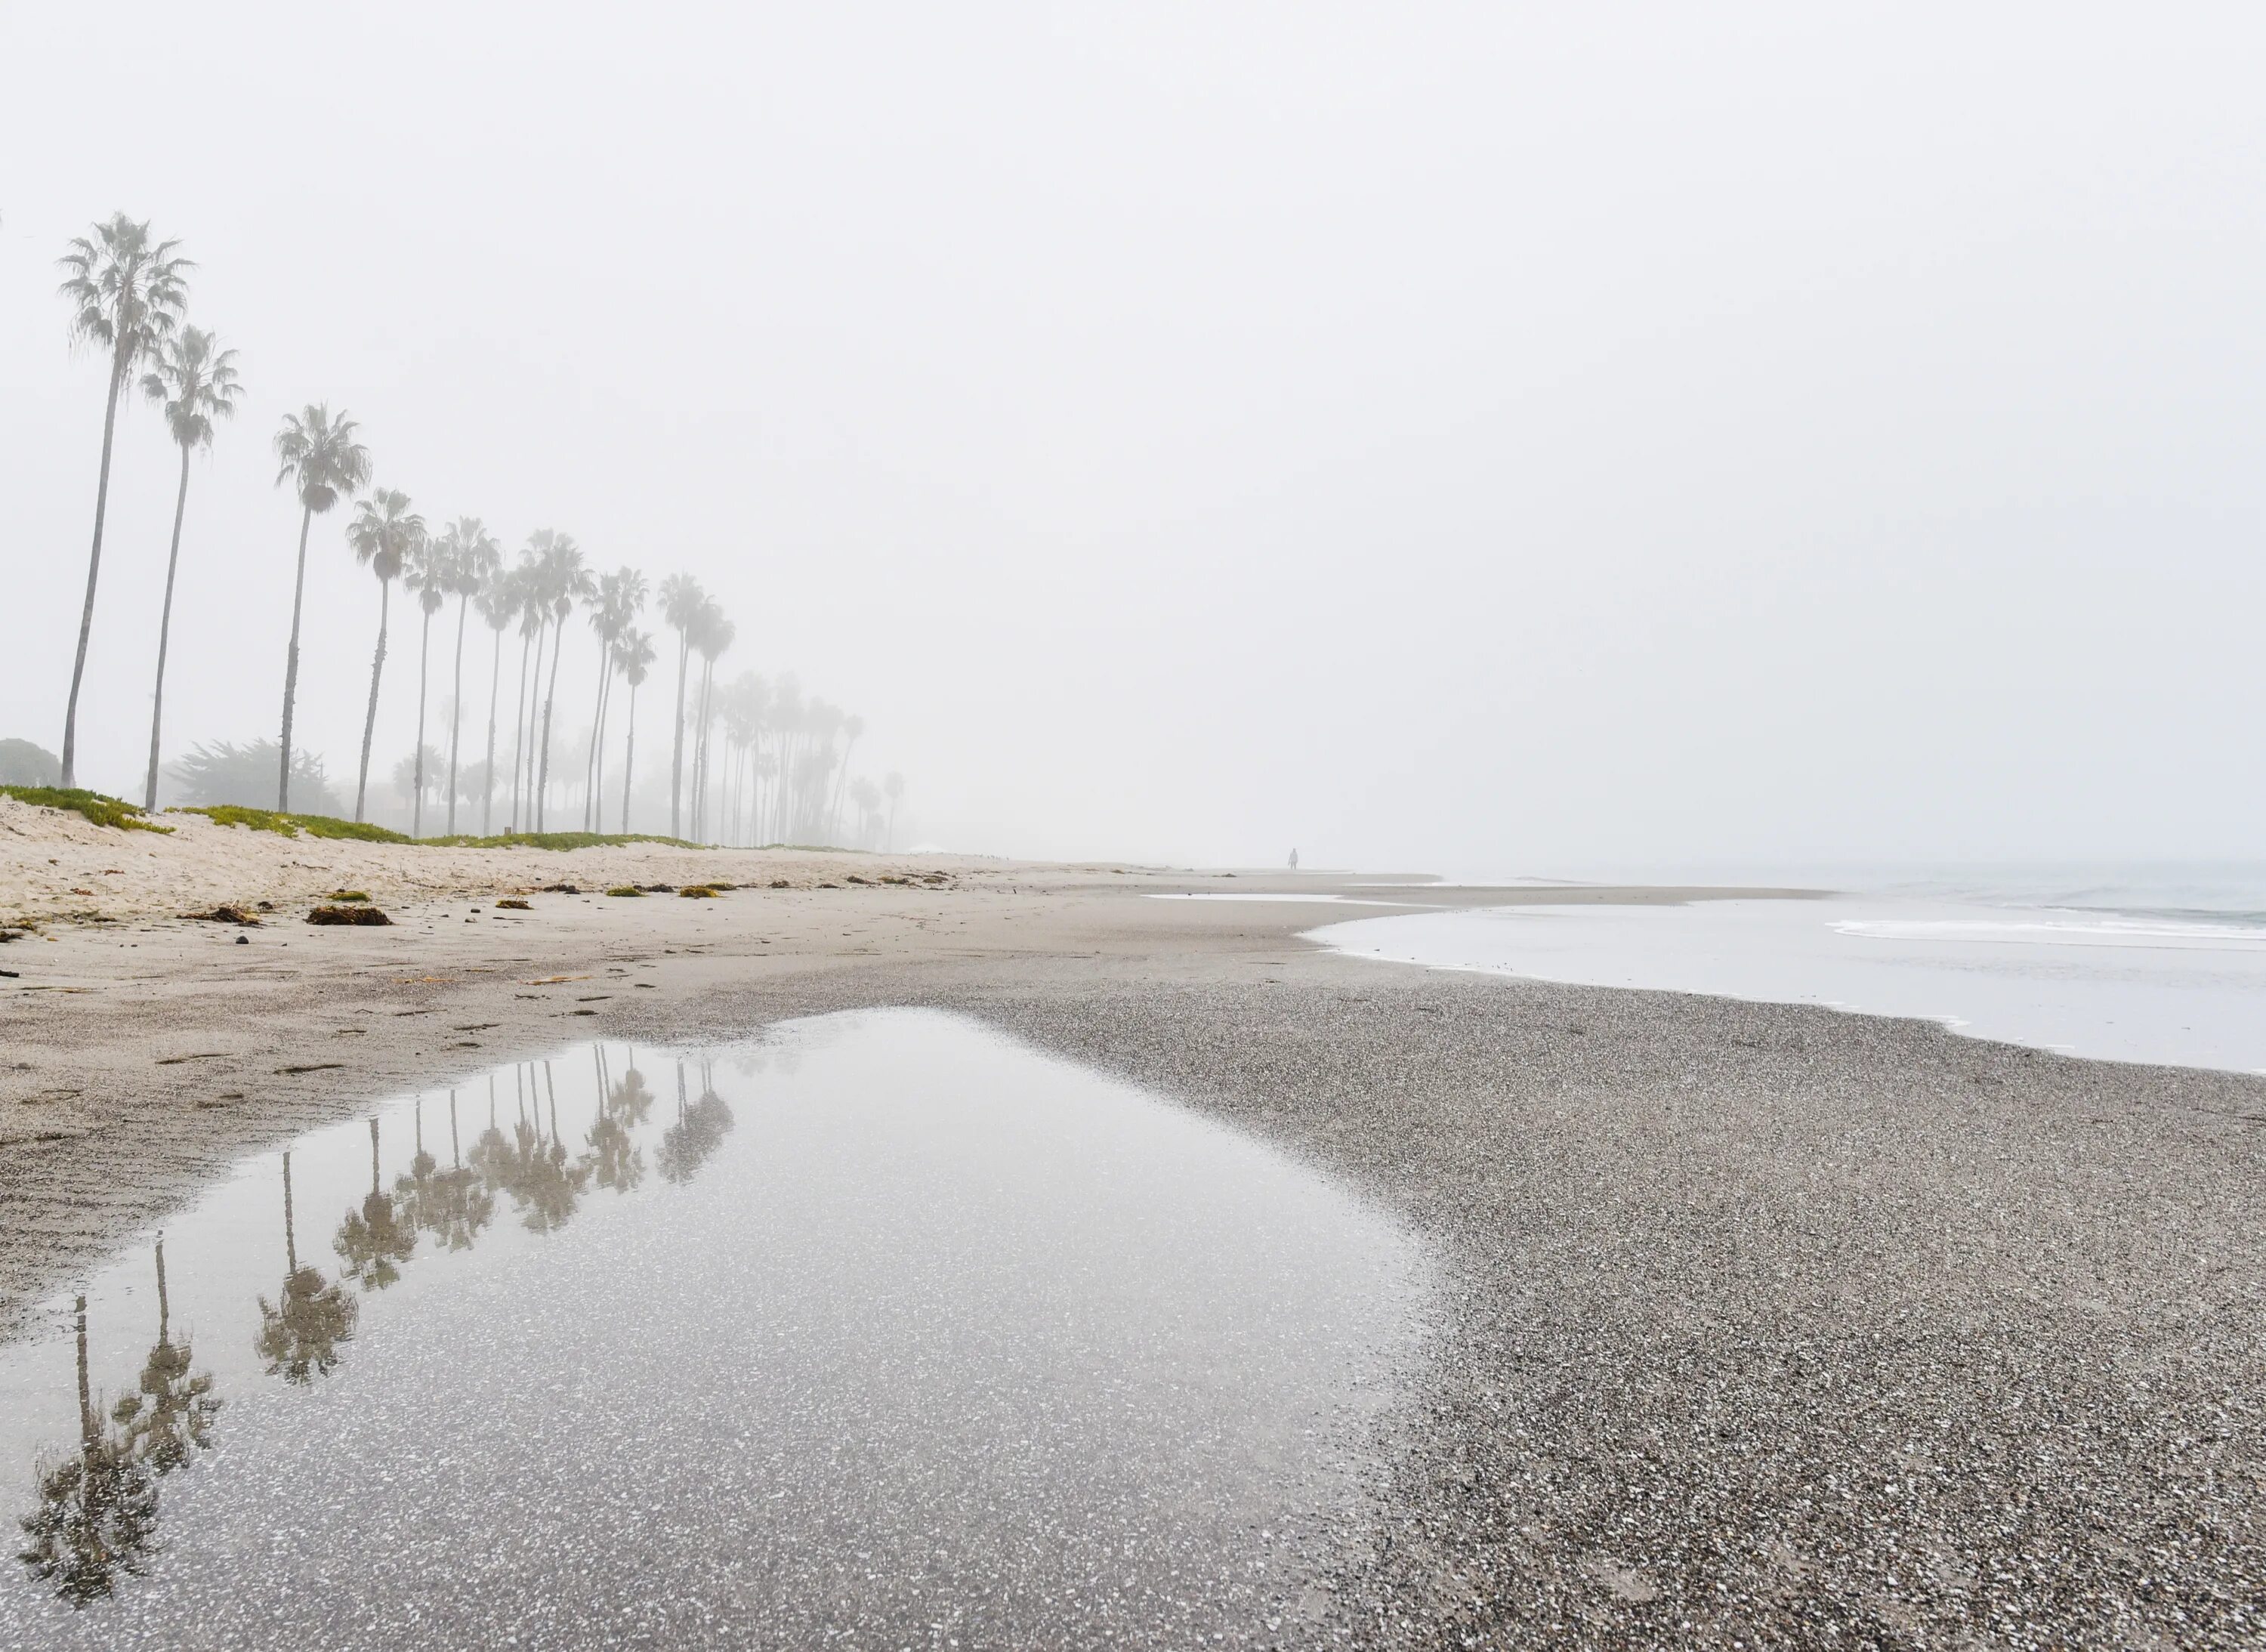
[2148,963]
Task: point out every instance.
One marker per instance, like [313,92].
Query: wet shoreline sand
[1765,1323]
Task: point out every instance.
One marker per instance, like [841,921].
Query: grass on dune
[266,820]
[553,840]
[103,811]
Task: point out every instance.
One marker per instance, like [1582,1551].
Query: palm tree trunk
[519,729]
[456,708]
[290,1243]
[487,783]
[417,774]
[629,760]
[677,758]
[118,362]
[550,698]
[591,757]
[165,1304]
[369,717]
[164,632]
[292,660]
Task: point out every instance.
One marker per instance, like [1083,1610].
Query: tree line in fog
[749,760]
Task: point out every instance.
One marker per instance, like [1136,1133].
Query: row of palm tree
[783,773]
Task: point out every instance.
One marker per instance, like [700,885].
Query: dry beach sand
[1763,1325]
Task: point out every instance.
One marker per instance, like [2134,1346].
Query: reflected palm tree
[533,1169]
[300,1335]
[699,1129]
[374,1240]
[169,1420]
[451,1204]
[98,1513]
[615,1161]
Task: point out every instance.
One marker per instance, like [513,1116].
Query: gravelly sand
[1768,1325]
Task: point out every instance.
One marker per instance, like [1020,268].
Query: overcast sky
[1481,437]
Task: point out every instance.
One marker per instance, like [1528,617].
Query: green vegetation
[625,889]
[349,894]
[553,840]
[266,820]
[697,892]
[103,811]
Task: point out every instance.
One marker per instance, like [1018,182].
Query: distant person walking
[1294,860]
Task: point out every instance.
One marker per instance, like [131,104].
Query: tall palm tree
[430,570]
[712,638]
[534,614]
[323,463]
[476,562]
[634,656]
[893,787]
[620,598]
[564,581]
[852,726]
[499,603]
[681,598]
[382,534]
[125,293]
[195,383]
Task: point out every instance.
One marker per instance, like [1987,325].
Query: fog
[1452,437]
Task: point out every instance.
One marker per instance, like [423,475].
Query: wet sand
[1762,1324]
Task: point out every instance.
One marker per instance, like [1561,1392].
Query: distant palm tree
[381,535]
[323,462]
[127,292]
[634,656]
[681,600]
[893,787]
[430,570]
[534,614]
[477,560]
[618,599]
[712,638]
[195,383]
[499,603]
[563,581]
[852,726]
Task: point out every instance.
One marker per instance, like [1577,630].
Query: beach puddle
[881,1327]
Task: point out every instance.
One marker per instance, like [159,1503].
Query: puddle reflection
[97,1507]
[920,1328]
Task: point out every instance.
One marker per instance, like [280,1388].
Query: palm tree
[620,599]
[430,570]
[712,637]
[374,1241]
[564,581]
[127,294]
[534,614]
[499,601]
[893,787]
[634,656]
[852,726]
[194,384]
[381,535]
[681,600]
[323,462]
[477,560]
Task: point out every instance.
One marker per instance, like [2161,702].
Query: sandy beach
[1760,1324]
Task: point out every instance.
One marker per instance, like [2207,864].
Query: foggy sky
[1455,437]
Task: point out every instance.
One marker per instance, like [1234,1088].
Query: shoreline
[1764,1320]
